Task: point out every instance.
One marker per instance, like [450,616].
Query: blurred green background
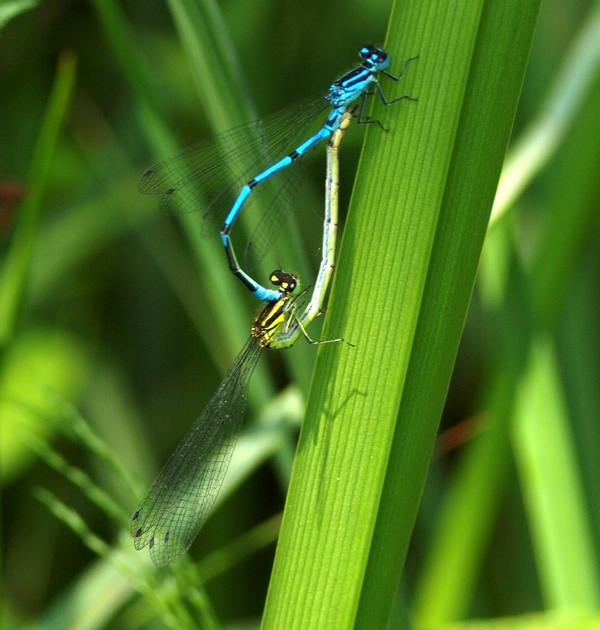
[119,315]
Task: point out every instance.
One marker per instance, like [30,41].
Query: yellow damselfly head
[288,282]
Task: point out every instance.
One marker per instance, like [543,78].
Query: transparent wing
[212,173]
[179,500]
[278,203]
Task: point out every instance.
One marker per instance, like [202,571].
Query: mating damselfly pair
[179,500]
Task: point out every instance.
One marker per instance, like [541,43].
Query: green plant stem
[15,272]
[401,293]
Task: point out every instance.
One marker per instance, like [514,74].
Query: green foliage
[129,317]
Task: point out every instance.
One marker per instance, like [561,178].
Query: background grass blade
[16,265]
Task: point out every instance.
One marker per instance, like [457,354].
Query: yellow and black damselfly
[179,500]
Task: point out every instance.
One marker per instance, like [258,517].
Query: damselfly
[214,172]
